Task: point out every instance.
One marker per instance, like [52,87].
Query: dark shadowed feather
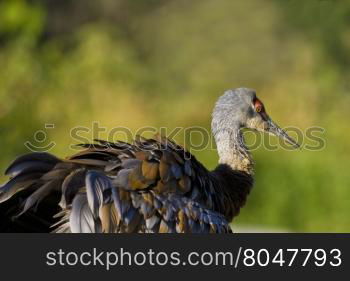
[17,184]
[40,194]
[42,157]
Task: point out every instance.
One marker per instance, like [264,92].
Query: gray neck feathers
[232,150]
[229,116]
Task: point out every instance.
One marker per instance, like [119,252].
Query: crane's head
[240,108]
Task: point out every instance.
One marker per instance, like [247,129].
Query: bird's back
[152,185]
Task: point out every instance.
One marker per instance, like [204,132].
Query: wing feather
[152,185]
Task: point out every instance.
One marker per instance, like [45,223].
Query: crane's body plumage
[151,185]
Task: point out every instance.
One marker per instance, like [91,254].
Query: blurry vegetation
[163,63]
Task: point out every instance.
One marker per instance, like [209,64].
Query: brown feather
[150,170]
[185,184]
[105,217]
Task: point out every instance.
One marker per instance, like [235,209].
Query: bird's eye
[258,105]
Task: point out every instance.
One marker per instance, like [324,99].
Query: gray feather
[71,185]
[97,186]
[81,219]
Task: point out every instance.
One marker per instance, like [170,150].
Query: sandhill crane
[152,185]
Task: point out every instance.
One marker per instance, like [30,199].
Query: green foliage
[164,63]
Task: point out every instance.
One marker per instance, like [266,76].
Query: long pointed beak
[274,129]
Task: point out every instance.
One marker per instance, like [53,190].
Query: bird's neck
[233,177]
[232,150]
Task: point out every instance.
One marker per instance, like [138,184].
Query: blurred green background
[163,63]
